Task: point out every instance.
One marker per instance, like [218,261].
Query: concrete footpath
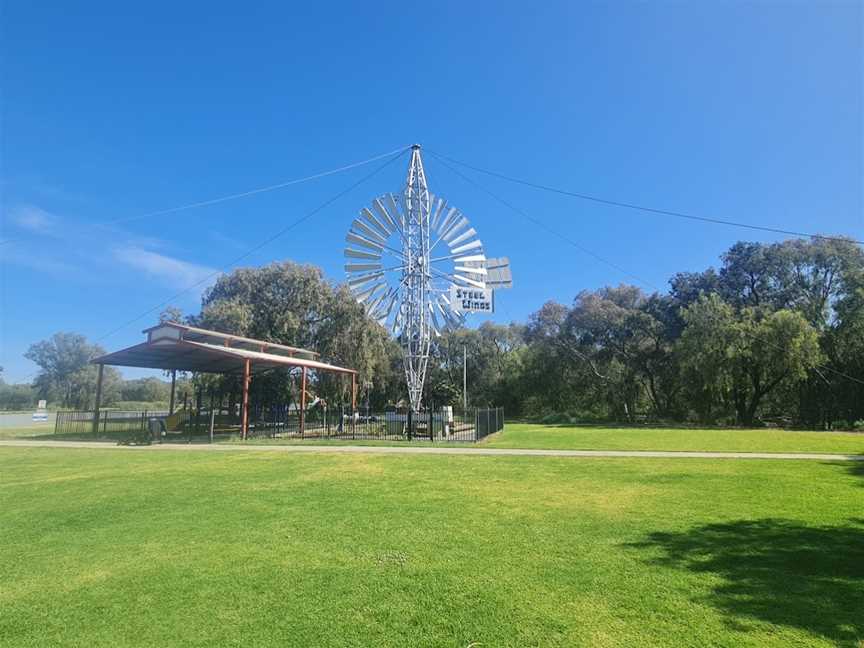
[421,450]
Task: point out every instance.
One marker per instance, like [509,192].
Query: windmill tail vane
[418,267]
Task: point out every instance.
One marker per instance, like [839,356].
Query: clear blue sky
[748,111]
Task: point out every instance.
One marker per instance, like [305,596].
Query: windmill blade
[394,209]
[499,273]
[464,236]
[470,258]
[452,318]
[357,254]
[382,309]
[363,296]
[396,329]
[366,278]
[443,309]
[455,227]
[359,227]
[473,245]
[369,216]
[350,237]
[470,282]
[436,327]
[374,303]
[436,216]
[362,267]
[470,270]
[452,213]
[378,206]
[393,296]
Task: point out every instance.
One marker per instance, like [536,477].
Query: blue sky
[746,111]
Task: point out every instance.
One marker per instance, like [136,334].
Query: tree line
[775,334]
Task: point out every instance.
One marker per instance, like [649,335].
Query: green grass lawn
[120,548]
[529,435]
[25,431]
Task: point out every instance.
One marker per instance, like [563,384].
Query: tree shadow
[857,469]
[778,571]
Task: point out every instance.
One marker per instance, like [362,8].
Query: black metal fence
[284,422]
[111,423]
[427,425]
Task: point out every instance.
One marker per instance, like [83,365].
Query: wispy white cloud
[174,272]
[34,219]
[39,261]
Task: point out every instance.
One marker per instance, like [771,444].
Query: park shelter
[173,347]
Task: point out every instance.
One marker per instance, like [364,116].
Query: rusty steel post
[98,402]
[173,387]
[247,369]
[302,401]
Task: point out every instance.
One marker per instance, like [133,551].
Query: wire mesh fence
[286,422]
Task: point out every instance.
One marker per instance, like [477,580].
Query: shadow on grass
[857,469]
[777,571]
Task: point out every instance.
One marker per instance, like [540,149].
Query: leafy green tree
[293,304]
[66,375]
[147,390]
[735,360]
[171,314]
[494,353]
[16,397]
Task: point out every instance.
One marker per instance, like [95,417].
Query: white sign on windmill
[496,274]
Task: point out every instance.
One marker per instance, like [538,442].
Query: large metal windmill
[417,266]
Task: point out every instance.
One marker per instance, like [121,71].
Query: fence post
[476,425]
[98,402]
[431,425]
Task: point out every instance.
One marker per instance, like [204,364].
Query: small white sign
[42,405]
[472,300]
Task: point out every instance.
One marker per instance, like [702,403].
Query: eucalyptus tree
[65,374]
[733,359]
[294,304]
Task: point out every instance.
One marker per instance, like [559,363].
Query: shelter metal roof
[185,348]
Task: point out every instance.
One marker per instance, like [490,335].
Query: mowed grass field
[139,548]
[530,435]
[537,436]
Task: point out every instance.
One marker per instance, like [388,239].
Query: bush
[138,437]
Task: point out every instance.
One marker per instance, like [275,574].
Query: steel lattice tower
[416,335]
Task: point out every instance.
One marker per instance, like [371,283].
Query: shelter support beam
[173,388]
[98,403]
[247,370]
[302,401]
[353,392]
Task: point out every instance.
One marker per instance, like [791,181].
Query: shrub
[138,437]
